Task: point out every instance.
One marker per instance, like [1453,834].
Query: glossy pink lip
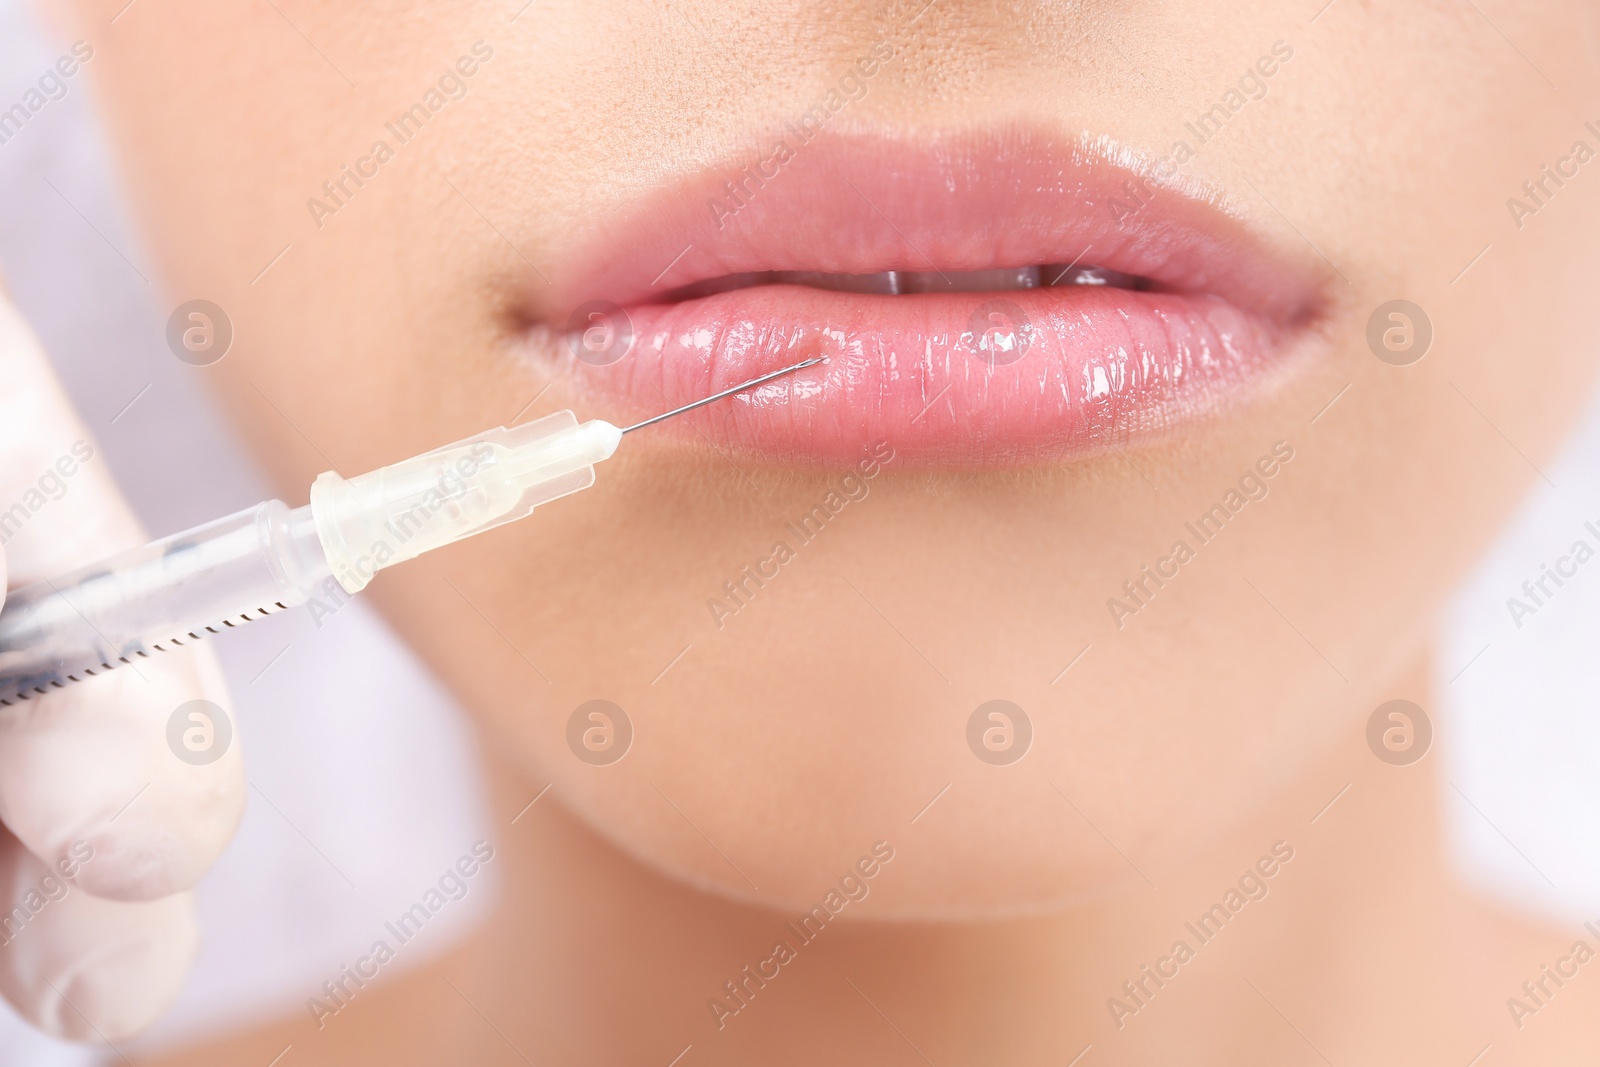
[938,376]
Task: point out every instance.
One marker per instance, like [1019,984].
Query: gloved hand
[106,828]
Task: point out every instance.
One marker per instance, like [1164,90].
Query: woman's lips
[1003,375]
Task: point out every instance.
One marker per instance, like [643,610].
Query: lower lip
[964,380]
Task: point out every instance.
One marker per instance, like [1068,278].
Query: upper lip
[861,204]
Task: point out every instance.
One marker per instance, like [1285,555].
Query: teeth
[1074,275]
[896,282]
[970,281]
[884,283]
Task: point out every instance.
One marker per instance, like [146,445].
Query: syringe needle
[751,384]
[208,579]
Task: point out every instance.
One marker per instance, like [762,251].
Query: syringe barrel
[169,592]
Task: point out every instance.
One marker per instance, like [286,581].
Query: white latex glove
[105,827]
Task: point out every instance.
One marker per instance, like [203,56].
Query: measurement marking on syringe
[29,692]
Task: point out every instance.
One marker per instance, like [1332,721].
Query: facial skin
[824,715]
[827,713]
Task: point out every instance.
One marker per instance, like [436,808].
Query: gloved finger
[92,761]
[81,967]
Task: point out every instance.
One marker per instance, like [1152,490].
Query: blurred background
[361,768]
[362,788]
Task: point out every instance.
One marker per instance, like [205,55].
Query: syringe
[270,557]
